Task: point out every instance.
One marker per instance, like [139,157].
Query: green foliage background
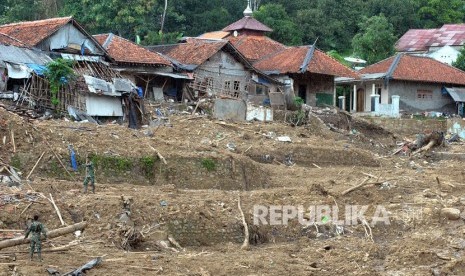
[339,25]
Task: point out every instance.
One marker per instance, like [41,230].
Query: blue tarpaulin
[140,92]
[73,159]
[38,69]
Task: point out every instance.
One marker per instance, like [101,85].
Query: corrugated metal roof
[18,55]
[214,35]
[417,40]
[458,94]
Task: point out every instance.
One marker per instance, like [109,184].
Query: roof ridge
[393,65]
[36,21]
[108,40]
[307,59]
[437,61]
[14,39]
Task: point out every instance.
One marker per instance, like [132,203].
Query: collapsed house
[97,91]
[16,60]
[150,71]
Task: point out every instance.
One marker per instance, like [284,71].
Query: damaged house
[309,72]
[306,71]
[413,83]
[15,57]
[219,69]
[150,71]
[97,90]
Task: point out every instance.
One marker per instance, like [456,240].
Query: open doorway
[303,92]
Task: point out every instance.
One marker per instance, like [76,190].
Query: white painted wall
[446,54]
[104,106]
[368,87]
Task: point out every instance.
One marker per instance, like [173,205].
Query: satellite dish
[235,34]
[355,60]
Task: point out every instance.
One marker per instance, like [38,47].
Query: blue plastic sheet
[73,159]
[38,69]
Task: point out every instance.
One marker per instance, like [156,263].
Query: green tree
[22,10]
[437,12]
[124,18]
[333,22]
[375,41]
[58,73]
[460,61]
[402,14]
[276,17]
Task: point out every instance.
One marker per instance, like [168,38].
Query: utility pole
[163,20]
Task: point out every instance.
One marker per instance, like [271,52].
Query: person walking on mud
[35,229]
[90,176]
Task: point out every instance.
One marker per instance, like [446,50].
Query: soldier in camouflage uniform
[35,229]
[90,177]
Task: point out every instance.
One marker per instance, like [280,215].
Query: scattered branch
[364,182]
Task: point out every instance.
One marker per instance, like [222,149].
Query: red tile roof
[194,51]
[8,40]
[256,47]
[125,51]
[416,40]
[416,68]
[33,32]
[291,59]
[248,23]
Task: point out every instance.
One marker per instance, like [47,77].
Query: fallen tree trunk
[51,234]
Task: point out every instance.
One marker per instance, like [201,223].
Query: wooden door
[360,100]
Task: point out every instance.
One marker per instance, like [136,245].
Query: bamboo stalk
[37,163]
[56,209]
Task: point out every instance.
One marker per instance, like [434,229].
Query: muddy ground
[193,198]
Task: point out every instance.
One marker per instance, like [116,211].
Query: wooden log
[245,244]
[426,148]
[37,163]
[51,234]
[52,249]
